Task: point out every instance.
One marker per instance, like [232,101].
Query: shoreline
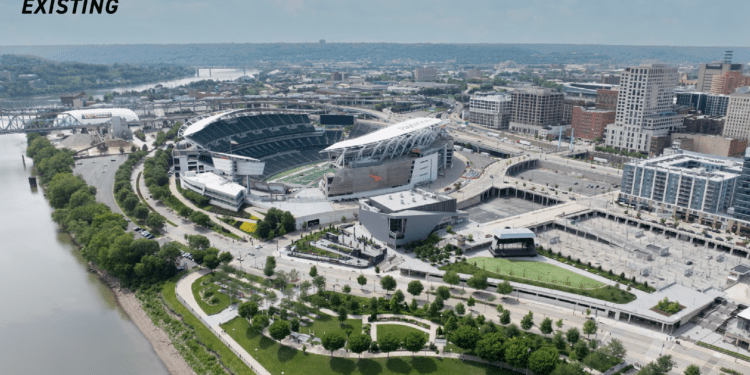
[155,335]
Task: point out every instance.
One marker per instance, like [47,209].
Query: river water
[56,317]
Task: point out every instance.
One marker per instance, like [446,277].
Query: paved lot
[565,181]
[500,208]
[100,173]
[477,160]
[671,268]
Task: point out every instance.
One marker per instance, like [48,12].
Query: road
[100,173]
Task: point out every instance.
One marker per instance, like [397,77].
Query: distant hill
[56,77]
[248,54]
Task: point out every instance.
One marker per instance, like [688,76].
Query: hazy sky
[633,22]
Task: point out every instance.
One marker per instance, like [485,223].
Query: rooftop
[405,200]
[512,234]
[393,131]
[214,182]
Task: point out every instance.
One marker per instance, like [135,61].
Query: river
[56,317]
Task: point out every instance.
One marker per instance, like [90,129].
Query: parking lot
[683,257]
[579,185]
[100,173]
[500,208]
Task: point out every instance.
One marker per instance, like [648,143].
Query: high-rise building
[727,82]
[610,79]
[644,107]
[717,105]
[589,123]
[706,73]
[742,196]
[607,99]
[425,74]
[491,111]
[536,108]
[737,124]
[693,99]
[338,76]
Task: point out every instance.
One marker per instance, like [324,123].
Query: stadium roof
[202,123]
[390,132]
[100,115]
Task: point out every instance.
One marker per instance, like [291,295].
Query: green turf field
[399,330]
[537,271]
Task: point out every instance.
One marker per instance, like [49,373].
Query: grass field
[537,271]
[209,309]
[397,329]
[276,358]
[307,177]
[327,323]
[603,292]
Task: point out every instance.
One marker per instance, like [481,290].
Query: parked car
[720,239]
[708,235]
[689,263]
[137,229]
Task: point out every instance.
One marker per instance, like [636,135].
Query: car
[572,198]
[720,239]
[691,231]
[251,253]
[695,226]
[689,263]
[708,235]
[258,246]
[575,183]
[137,229]
[112,159]
[79,163]
[709,257]
[150,236]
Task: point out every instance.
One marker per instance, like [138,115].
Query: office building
[716,105]
[693,99]
[569,103]
[338,76]
[425,74]
[737,124]
[685,182]
[532,109]
[589,123]
[491,111]
[222,192]
[709,144]
[400,218]
[473,74]
[703,124]
[610,79]
[707,72]
[644,108]
[742,199]
[727,82]
[607,99]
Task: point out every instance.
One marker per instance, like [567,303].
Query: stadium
[398,157]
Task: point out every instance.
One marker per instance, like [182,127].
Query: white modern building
[222,192]
[97,116]
[491,111]
[645,107]
[737,124]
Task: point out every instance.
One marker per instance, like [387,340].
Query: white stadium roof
[99,115]
[390,132]
[202,123]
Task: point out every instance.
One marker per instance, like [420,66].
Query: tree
[313,271]
[614,348]
[528,321]
[452,278]
[141,211]
[573,335]
[471,302]
[505,317]
[415,288]
[333,341]
[451,324]
[198,242]
[155,221]
[388,343]
[589,327]
[388,283]
[211,261]
[248,309]
[342,315]
[346,289]
[465,337]
[279,329]
[558,340]
[693,370]
[478,281]
[443,292]
[415,341]
[362,280]
[581,350]
[319,282]
[200,218]
[517,352]
[505,288]
[460,309]
[270,267]
[490,347]
[559,324]
[225,257]
[133,148]
[260,321]
[544,360]
[358,343]
[546,326]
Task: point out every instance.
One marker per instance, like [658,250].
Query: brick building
[710,144]
[606,99]
[589,123]
[727,82]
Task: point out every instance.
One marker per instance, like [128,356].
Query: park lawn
[326,323]
[605,293]
[277,358]
[202,334]
[209,309]
[538,271]
[452,348]
[398,330]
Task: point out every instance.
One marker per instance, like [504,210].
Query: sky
[628,22]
